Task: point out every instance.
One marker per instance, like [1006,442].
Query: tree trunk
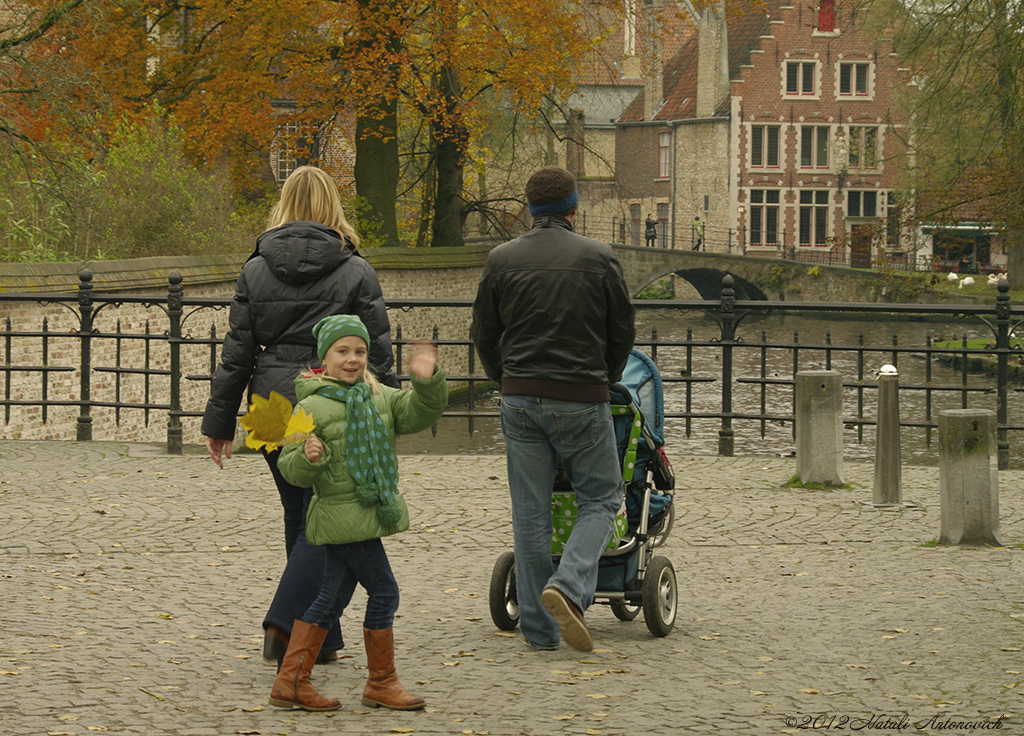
[427,202]
[376,168]
[376,173]
[450,140]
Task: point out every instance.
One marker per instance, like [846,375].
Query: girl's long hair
[310,194]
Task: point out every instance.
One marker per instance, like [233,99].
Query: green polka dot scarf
[371,459]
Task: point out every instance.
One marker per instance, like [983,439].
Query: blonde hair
[310,194]
[369,378]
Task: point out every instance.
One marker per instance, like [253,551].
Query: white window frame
[860,146]
[765,206]
[858,71]
[857,204]
[287,153]
[815,140]
[817,211]
[760,148]
[806,68]
[664,155]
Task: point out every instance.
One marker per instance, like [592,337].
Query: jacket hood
[300,251]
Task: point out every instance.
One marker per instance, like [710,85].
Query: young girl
[351,464]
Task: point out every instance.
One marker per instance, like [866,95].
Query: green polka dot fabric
[563,516]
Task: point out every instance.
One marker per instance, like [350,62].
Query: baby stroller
[630,577]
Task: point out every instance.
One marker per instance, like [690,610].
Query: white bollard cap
[888,370]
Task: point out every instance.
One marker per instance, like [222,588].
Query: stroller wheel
[660,596]
[624,611]
[503,599]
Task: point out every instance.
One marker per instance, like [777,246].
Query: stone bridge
[755,277]
[453,273]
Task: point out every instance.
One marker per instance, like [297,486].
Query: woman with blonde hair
[305,268]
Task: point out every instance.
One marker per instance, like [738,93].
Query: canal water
[919,446]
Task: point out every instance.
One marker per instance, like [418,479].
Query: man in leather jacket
[553,325]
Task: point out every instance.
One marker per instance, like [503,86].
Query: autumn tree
[446,63]
[966,111]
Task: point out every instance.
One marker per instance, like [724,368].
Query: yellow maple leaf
[271,422]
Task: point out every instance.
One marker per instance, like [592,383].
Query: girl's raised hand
[422,358]
[314,448]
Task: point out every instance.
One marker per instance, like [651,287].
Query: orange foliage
[217,65]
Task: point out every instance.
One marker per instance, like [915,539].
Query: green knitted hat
[333,328]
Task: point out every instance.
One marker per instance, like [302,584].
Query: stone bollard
[968,477]
[819,427]
[888,456]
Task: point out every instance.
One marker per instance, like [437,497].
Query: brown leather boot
[383,687]
[292,687]
[275,644]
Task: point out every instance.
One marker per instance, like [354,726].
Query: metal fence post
[726,435]
[174,309]
[1002,373]
[83,429]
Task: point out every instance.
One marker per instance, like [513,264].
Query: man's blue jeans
[346,564]
[541,434]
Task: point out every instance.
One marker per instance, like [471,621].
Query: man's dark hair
[550,184]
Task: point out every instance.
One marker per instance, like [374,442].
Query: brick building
[777,129]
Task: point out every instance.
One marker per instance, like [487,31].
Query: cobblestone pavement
[133,586]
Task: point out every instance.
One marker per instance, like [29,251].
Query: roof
[680,73]
[601,104]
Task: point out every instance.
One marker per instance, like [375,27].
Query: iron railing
[130,355]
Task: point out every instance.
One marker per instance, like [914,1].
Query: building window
[861,204]
[813,217]
[826,15]
[287,149]
[863,147]
[764,146]
[800,78]
[853,80]
[634,211]
[814,147]
[664,157]
[893,219]
[764,216]
[663,225]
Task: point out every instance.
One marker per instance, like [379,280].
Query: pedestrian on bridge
[651,231]
[698,233]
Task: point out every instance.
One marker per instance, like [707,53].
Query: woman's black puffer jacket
[300,273]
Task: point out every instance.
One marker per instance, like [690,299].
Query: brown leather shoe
[327,657]
[570,619]
[292,687]
[382,687]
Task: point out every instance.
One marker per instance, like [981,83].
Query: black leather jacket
[300,273]
[552,315]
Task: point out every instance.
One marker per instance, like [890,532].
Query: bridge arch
[708,283]
[756,277]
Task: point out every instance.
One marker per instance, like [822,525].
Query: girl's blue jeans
[365,563]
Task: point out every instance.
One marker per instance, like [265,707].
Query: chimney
[654,67]
[712,60]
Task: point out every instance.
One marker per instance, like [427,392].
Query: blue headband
[553,208]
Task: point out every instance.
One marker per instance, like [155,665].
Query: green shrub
[141,197]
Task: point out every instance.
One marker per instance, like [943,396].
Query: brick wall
[760,98]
